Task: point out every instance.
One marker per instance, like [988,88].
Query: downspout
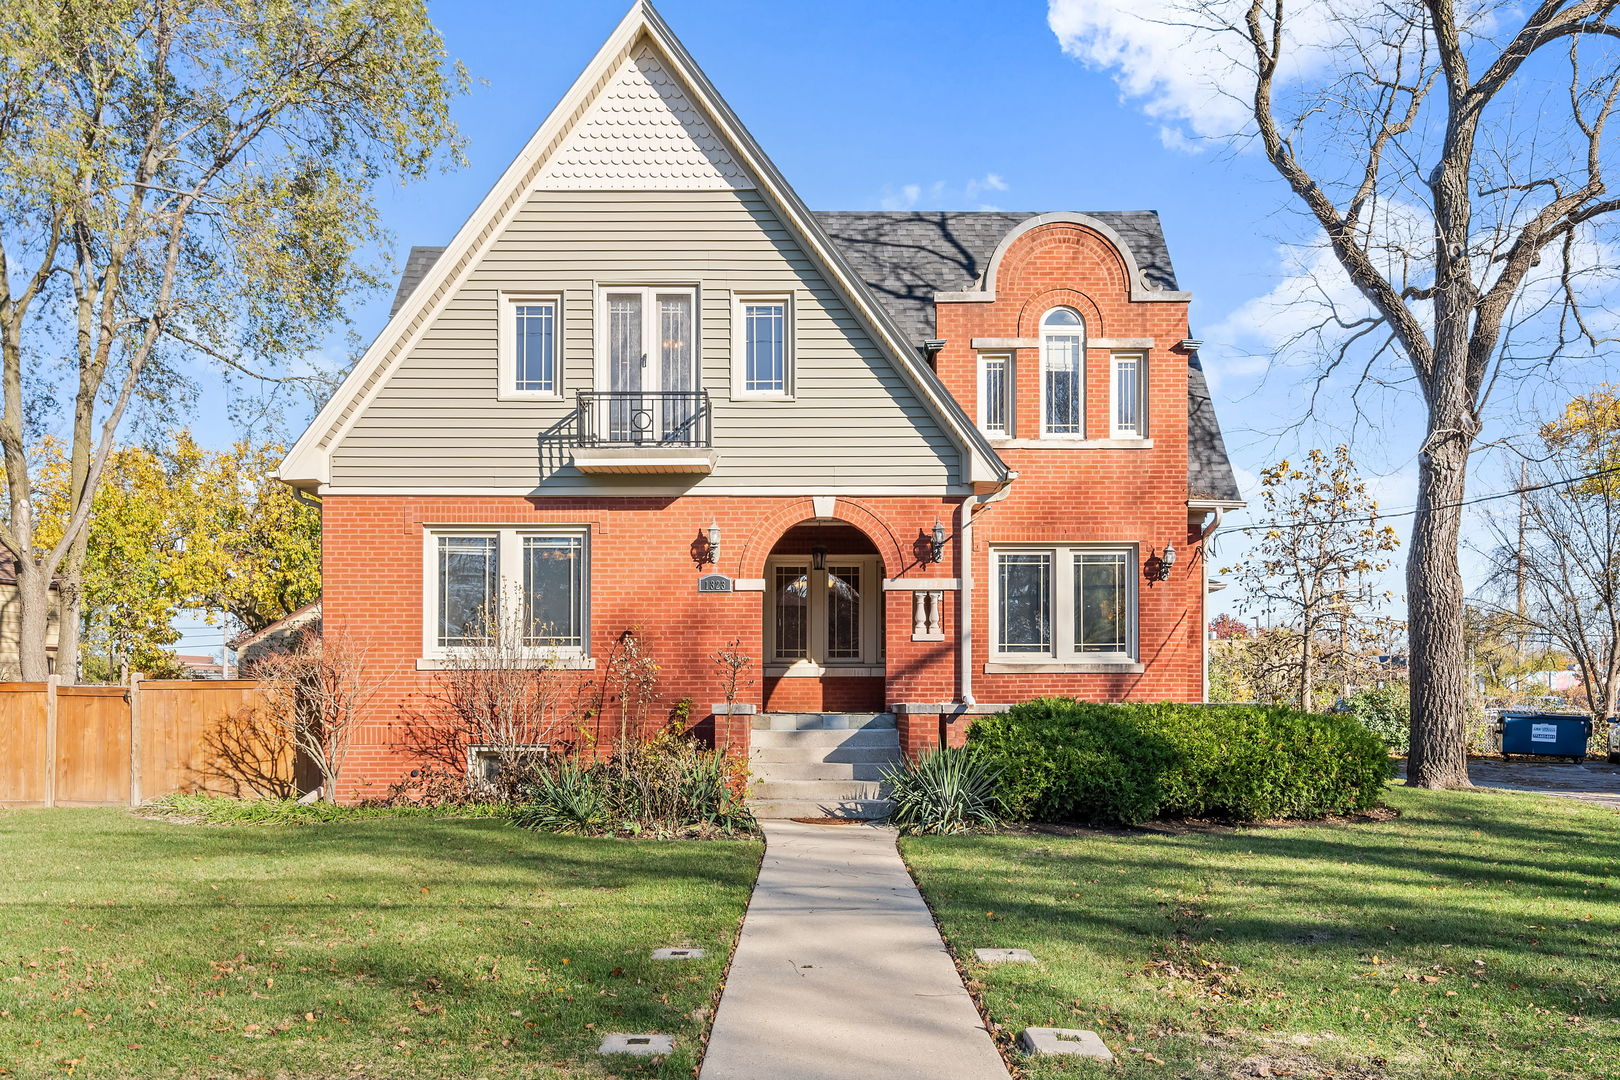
[306,498]
[964,535]
[1203,597]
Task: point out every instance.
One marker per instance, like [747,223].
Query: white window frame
[739,345]
[1115,430]
[1064,650]
[508,586]
[1009,395]
[649,326]
[1046,333]
[506,347]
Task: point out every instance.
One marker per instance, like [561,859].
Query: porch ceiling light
[1166,560]
[936,542]
[818,558]
[713,552]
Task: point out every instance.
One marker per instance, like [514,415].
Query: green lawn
[370,949]
[1477,935]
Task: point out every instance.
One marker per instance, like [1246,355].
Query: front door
[824,612]
[651,366]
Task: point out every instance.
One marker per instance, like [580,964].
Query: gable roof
[308,463]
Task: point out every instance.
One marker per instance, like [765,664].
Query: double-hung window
[529,346]
[762,346]
[1063,364]
[996,394]
[516,590]
[1064,602]
[1129,415]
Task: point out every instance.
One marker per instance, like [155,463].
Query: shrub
[1386,711]
[1065,760]
[667,785]
[944,791]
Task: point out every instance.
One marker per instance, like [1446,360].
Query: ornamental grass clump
[944,792]
[1066,760]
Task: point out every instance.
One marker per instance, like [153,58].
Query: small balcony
[645,431]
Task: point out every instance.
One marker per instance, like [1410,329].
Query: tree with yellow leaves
[1311,574]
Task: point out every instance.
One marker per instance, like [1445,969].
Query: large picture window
[531,583]
[1063,360]
[1065,602]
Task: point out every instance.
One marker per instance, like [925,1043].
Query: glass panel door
[627,420]
[677,377]
[843,597]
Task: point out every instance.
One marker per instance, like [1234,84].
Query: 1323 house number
[714,583]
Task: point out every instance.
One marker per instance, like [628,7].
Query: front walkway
[840,972]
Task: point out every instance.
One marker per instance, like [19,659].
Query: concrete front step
[826,738]
[818,790]
[821,721]
[816,770]
[860,809]
[879,754]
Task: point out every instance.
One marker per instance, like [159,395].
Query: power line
[1411,511]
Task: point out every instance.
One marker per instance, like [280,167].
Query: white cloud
[943,195]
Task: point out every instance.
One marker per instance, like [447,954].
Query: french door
[648,362]
[821,618]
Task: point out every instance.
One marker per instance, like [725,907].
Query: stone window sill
[1048,667]
[556,663]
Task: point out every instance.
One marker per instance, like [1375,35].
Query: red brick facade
[643,568]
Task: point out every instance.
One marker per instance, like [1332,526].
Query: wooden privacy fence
[63,745]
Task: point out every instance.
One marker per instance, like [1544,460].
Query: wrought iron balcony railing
[678,419]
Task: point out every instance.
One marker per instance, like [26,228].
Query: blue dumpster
[1545,734]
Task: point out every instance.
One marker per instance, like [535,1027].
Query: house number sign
[714,583]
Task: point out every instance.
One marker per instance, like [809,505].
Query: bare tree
[504,693]
[315,694]
[1453,157]
[1311,572]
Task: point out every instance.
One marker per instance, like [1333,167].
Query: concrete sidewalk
[840,972]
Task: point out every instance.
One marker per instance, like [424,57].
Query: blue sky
[940,105]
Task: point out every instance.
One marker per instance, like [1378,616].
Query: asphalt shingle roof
[905,257]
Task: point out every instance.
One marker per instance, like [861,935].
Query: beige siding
[855,426]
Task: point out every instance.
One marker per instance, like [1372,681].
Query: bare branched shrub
[633,675]
[733,664]
[315,694]
[505,694]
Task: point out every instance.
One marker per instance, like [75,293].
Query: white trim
[1009,395]
[1007,665]
[1006,342]
[806,669]
[506,304]
[824,506]
[748,584]
[988,296]
[1063,651]
[550,663]
[1140,430]
[1216,504]
[508,584]
[308,463]
[1138,287]
[739,354]
[620,491]
[1072,444]
[1080,388]
[1120,343]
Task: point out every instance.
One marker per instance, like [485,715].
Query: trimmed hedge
[1067,760]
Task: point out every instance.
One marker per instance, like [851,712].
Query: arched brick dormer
[1074,230]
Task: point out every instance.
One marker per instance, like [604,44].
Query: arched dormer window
[1063,365]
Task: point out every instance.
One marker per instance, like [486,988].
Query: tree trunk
[1434,593]
[34,608]
[69,624]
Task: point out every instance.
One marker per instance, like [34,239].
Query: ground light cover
[1476,935]
[376,948]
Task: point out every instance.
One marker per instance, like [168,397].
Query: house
[279,636]
[200,665]
[919,463]
[11,622]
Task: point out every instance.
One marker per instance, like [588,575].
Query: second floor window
[995,394]
[1063,353]
[762,347]
[1130,396]
[528,347]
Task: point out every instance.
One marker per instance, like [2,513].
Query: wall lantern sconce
[936,542]
[1165,561]
[818,558]
[712,553]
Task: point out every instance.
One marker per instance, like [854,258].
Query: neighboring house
[11,623]
[200,666]
[923,462]
[279,636]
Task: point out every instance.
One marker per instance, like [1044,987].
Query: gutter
[964,534]
[1218,510]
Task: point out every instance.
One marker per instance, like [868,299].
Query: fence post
[135,738]
[51,682]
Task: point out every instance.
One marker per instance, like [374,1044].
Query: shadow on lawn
[1412,885]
